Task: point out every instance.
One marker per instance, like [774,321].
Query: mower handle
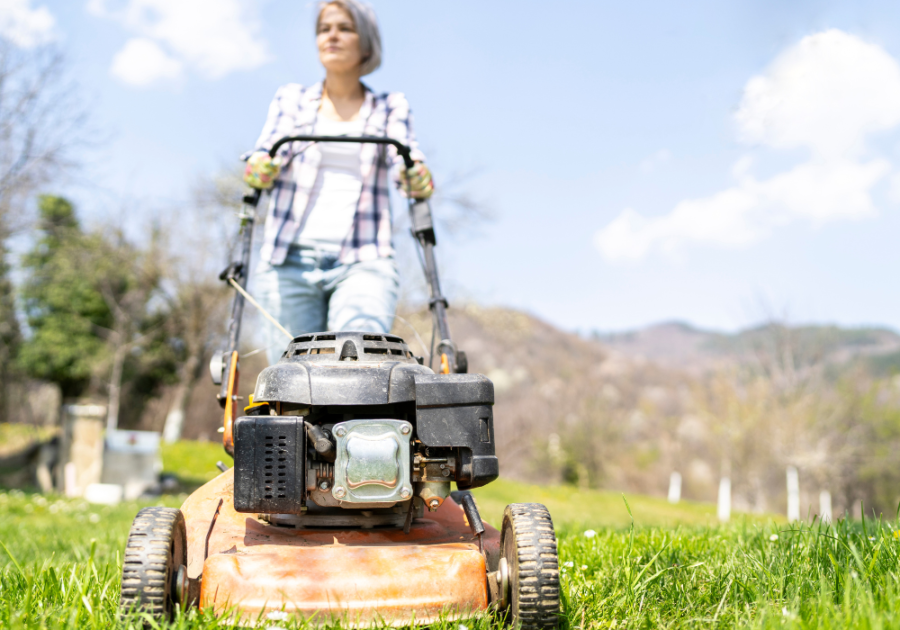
[402,149]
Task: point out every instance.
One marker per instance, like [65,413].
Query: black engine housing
[324,378]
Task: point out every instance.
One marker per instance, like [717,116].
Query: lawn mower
[339,502]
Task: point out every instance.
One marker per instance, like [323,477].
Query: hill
[680,345]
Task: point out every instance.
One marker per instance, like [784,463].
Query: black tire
[156,548]
[528,543]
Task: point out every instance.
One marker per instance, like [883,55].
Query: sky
[717,163]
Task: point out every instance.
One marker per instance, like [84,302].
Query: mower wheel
[528,545]
[155,552]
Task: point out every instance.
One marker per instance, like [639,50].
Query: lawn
[59,562]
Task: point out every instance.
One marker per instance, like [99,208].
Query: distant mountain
[680,345]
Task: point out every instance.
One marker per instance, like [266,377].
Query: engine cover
[456,410]
[372,463]
[269,464]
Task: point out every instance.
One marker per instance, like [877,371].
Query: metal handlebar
[402,149]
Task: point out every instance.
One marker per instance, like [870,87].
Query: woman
[327,261]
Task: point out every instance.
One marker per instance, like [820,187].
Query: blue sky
[703,161]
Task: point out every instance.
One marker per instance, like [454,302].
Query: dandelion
[897,534]
[773,537]
[590,533]
[569,564]
[94,518]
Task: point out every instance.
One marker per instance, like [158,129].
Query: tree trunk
[175,417]
[115,387]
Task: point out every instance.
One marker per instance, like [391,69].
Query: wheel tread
[147,565]
[536,601]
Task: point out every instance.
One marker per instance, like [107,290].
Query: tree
[10,335]
[62,307]
[91,303]
[41,122]
[197,300]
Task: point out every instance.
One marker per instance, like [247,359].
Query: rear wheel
[528,546]
[155,552]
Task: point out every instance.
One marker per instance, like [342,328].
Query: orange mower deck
[251,568]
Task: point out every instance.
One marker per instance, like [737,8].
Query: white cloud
[25,26]
[826,94]
[211,37]
[142,63]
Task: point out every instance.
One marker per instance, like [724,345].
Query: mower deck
[252,568]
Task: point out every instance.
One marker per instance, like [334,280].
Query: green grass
[60,563]
[194,463]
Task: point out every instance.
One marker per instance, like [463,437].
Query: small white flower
[854,574]
[462,627]
[871,538]
[584,567]
[590,533]
[784,612]
[277,615]
[773,537]
[94,518]
[569,564]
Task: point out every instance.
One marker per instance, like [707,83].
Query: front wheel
[528,547]
[155,554]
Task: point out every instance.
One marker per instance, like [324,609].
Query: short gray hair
[366,27]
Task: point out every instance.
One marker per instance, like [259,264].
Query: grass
[674,568]
[14,437]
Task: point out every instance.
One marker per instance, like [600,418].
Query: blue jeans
[313,292]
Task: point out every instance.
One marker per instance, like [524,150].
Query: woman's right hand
[262,170]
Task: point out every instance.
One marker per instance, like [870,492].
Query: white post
[793,490]
[825,506]
[70,479]
[172,427]
[675,488]
[724,509]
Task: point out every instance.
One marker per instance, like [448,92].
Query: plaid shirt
[293,112]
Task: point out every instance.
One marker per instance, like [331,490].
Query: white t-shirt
[335,195]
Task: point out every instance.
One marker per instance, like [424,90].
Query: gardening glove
[416,181]
[262,170]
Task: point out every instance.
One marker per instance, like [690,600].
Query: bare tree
[198,300]
[42,122]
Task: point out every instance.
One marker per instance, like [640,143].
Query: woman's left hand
[416,181]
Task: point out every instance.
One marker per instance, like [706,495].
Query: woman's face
[337,40]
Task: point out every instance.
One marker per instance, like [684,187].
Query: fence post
[825,506]
[675,488]
[793,491]
[724,507]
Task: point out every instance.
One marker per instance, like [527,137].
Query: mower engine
[349,429]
